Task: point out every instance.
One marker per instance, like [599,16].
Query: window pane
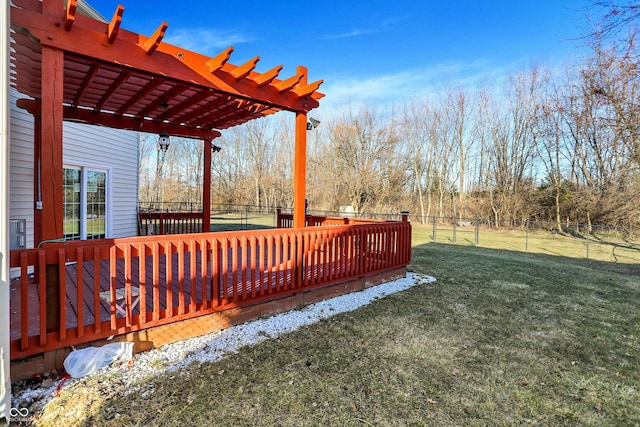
[71,199]
[96,204]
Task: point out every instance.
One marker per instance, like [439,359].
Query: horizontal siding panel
[21,166]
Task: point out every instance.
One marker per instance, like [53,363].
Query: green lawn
[502,338]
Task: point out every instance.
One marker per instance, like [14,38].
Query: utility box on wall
[17,233]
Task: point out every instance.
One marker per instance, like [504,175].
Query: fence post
[454,230]
[588,241]
[526,237]
[433,233]
[477,236]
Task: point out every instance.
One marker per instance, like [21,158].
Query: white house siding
[21,201]
[117,151]
[84,146]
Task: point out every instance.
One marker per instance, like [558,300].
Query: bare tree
[364,152]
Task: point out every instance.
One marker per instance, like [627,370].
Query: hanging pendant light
[164,139]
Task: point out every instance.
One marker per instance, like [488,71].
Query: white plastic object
[80,363]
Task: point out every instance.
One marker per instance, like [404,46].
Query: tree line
[544,144]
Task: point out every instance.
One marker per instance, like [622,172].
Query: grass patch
[501,338]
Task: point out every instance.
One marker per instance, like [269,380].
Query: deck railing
[285,220]
[161,223]
[112,287]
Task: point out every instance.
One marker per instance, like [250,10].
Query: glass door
[72,203]
[96,204]
[85,203]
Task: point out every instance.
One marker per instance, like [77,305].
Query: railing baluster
[168,256]
[80,290]
[155,254]
[42,288]
[204,262]
[215,272]
[180,278]
[255,280]
[225,271]
[127,284]
[279,282]
[244,251]
[193,273]
[261,263]
[269,249]
[97,259]
[233,254]
[24,302]
[62,289]
[112,285]
[142,285]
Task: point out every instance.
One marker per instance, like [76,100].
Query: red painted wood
[168,247]
[96,287]
[24,302]
[112,285]
[299,170]
[42,288]
[155,254]
[114,25]
[80,293]
[51,143]
[217,271]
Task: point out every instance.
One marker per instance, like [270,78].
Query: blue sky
[369,50]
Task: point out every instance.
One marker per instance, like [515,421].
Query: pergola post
[50,160]
[300,162]
[206,188]
[300,171]
[51,143]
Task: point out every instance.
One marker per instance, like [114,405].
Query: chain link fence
[613,243]
[592,241]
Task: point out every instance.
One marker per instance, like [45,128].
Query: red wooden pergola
[76,68]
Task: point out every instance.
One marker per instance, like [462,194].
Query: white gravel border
[214,346]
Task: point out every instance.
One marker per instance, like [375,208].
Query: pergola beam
[85,84]
[149,87]
[109,92]
[118,122]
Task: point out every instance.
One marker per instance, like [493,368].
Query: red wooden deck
[208,272]
[190,293]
